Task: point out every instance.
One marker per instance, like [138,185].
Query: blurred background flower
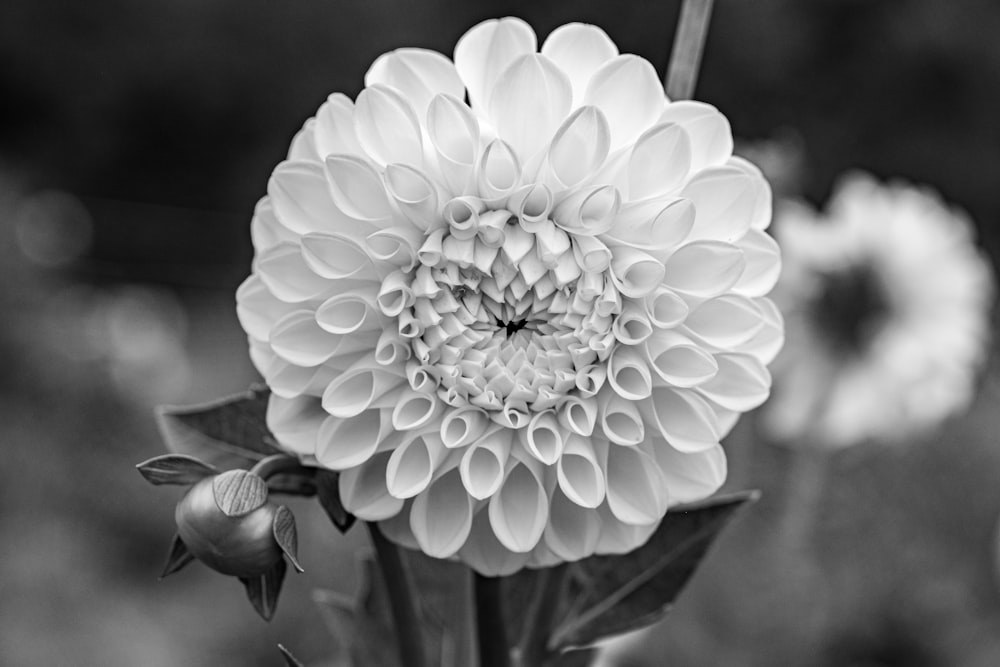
[887,302]
[161,123]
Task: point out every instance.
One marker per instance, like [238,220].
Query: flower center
[851,307]
[503,317]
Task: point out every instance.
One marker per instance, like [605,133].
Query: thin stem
[534,649]
[490,628]
[404,607]
[278,463]
[689,42]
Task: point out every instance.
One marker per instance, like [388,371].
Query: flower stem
[278,463]
[491,631]
[689,42]
[404,607]
[541,615]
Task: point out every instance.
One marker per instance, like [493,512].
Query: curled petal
[678,361]
[391,350]
[345,443]
[620,420]
[534,88]
[637,494]
[289,380]
[463,426]
[415,410]
[387,127]
[484,463]
[412,465]
[635,272]
[414,194]
[544,438]
[298,339]
[742,383]
[531,204]
[358,388]
[363,491]
[336,256]
[349,312]
[572,531]
[711,136]
[520,509]
[418,74]
[659,163]
[286,275]
[579,49]
[725,321]
[704,268]
[588,212]
[294,422]
[462,216]
[334,133]
[395,245]
[454,133]
[629,93]
[683,418]
[660,224]
[579,147]
[498,173]
[633,325]
[580,471]
[690,477]
[258,309]
[486,50]
[578,415]
[665,308]
[357,190]
[628,373]
[394,294]
[441,516]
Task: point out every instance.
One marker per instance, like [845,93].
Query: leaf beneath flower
[328,493]
[263,590]
[174,469]
[610,595]
[290,660]
[228,433]
[178,557]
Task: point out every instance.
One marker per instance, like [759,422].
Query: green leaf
[290,660]
[239,492]
[263,591]
[328,493]
[178,557]
[610,595]
[174,469]
[362,625]
[228,433]
[285,535]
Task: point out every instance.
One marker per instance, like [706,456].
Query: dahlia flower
[886,298]
[515,299]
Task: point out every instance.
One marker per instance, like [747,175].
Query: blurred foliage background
[135,138]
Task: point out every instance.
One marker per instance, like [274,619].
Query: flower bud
[233,537]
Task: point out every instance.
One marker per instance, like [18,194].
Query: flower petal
[579,49]
[363,492]
[336,256]
[358,388]
[635,272]
[678,361]
[463,426]
[454,133]
[709,131]
[725,321]
[301,198]
[572,531]
[346,443]
[288,277]
[660,162]
[334,133]
[485,554]
[441,516]
[620,420]
[684,419]
[544,438]
[486,50]
[579,471]
[579,147]
[628,91]
[520,509]
[530,99]
[690,477]
[742,383]
[704,268]
[414,194]
[725,199]
[763,264]
[483,464]
[294,422]
[412,465]
[637,494]
[357,190]
[299,340]
[387,127]
[419,74]
[258,309]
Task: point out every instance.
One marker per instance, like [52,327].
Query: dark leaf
[263,590]
[533,602]
[575,658]
[610,595]
[444,590]
[328,493]
[174,469]
[228,433]
[290,660]
[178,557]
[239,492]
[362,625]
[286,536]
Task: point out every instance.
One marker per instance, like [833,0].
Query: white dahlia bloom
[887,299]
[518,324]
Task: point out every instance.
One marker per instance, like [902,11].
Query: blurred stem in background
[689,42]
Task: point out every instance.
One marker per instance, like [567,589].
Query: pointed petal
[684,419]
[484,553]
[763,264]
[483,464]
[441,516]
[286,275]
[530,99]
[579,147]
[418,74]
[387,127]
[258,309]
[357,190]
[725,321]
[579,471]
[579,49]
[345,443]
[486,50]
[334,131]
[412,465]
[704,268]
[690,477]
[572,531]
[709,131]
[301,198]
[363,491]
[454,133]
[660,162]
[628,91]
[637,494]
[725,199]
[520,509]
[742,383]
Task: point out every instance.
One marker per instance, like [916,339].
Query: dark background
[135,138]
